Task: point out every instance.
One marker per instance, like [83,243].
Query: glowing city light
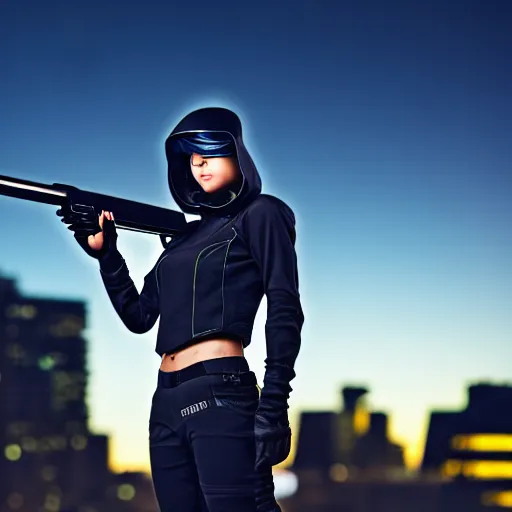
[125,492]
[12,452]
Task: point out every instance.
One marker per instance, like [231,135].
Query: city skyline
[385,127]
[117,466]
[51,455]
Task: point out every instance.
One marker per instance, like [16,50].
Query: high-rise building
[346,461]
[352,440]
[48,454]
[472,449]
[50,460]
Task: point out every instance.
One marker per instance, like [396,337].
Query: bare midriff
[208,349]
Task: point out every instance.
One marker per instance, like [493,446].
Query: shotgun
[129,215]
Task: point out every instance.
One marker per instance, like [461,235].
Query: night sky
[386,126]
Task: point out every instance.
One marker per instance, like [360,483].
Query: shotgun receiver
[129,215]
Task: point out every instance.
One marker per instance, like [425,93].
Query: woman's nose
[196,159]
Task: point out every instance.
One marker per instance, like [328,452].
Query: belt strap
[173,379]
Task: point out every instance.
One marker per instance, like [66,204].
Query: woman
[214,436]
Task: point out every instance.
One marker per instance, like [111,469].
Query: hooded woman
[214,435]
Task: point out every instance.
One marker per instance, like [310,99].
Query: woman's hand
[273,440]
[96,241]
[96,234]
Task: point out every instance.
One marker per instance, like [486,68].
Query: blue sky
[385,127]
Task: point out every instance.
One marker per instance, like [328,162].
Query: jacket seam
[213,250]
[224,274]
[222,242]
[229,242]
[156,273]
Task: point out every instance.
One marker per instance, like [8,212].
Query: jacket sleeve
[138,312]
[269,228]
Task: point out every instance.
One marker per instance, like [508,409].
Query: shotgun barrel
[129,215]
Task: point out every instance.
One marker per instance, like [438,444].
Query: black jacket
[209,282]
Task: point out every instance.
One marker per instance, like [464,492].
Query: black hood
[187,193]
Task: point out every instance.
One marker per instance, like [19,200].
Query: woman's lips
[206,177]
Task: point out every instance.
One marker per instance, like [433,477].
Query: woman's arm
[269,228]
[138,312]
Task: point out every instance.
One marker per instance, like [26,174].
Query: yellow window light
[361,420]
[451,468]
[497,498]
[478,469]
[483,442]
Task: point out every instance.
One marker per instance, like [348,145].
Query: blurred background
[386,126]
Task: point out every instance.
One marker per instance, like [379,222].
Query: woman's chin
[210,188]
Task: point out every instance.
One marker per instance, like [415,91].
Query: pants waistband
[221,365]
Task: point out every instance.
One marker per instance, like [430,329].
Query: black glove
[83,221]
[273,439]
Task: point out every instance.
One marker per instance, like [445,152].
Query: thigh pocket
[238,393]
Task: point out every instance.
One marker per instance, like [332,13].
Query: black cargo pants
[201,436]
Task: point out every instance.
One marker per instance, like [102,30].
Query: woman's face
[214,173]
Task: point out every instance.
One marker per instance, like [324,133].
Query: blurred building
[472,448]
[345,461]
[354,440]
[50,460]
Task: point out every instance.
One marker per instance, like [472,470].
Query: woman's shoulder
[267,212]
[267,204]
